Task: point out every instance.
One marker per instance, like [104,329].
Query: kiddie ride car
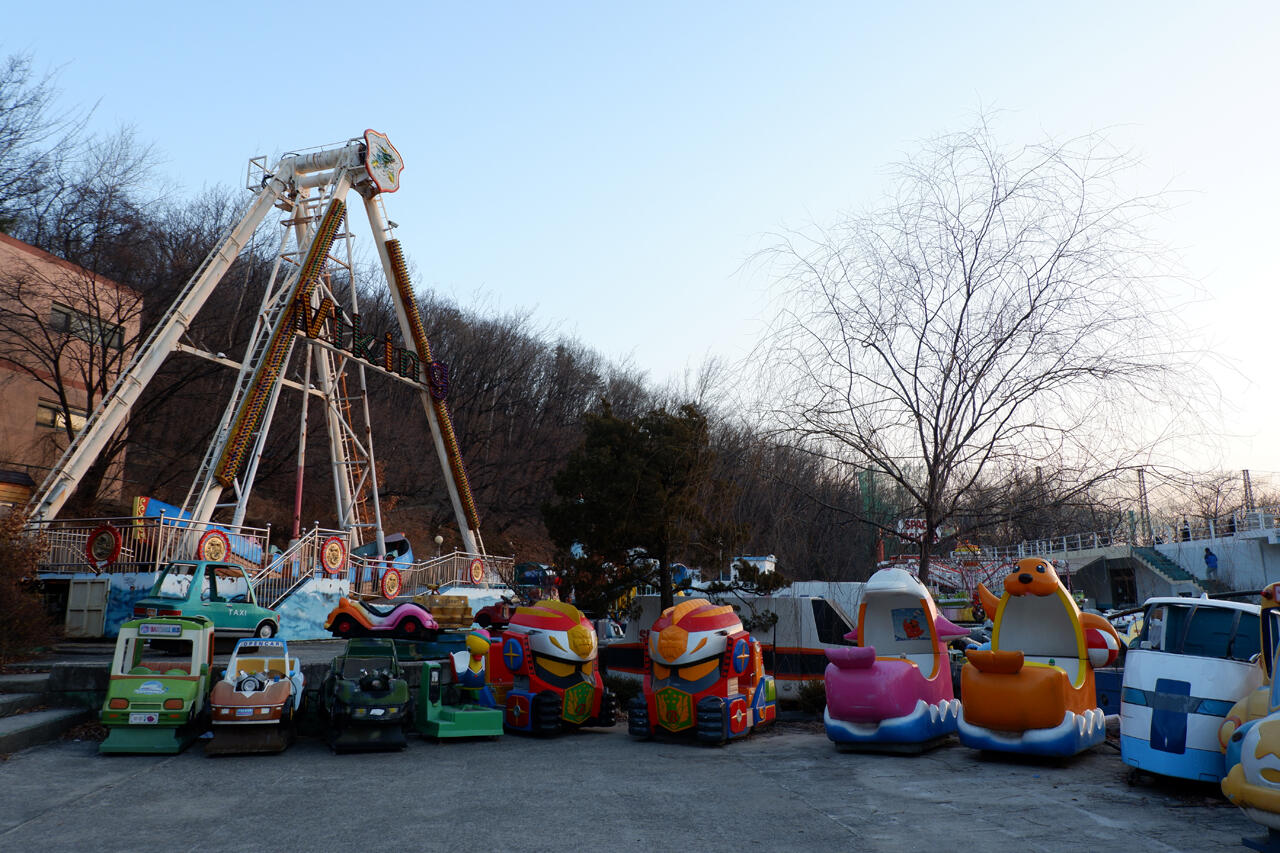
[1033,690]
[1192,661]
[158,682]
[703,673]
[365,697]
[893,690]
[546,669]
[407,620]
[220,592]
[255,704]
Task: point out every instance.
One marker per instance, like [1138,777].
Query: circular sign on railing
[103,546]
[214,546]
[333,555]
[391,583]
[477,570]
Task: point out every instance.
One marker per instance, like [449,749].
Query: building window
[52,415]
[91,329]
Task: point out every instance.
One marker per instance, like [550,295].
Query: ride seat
[924,661]
[277,666]
[1069,665]
[250,666]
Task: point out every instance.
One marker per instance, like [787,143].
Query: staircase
[31,712]
[292,568]
[1166,568]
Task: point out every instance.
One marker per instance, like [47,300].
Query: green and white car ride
[220,592]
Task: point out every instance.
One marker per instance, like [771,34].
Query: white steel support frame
[202,500]
[334,171]
[113,411]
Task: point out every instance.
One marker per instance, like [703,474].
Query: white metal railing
[1056,545]
[1162,531]
[297,564]
[448,570]
[146,544]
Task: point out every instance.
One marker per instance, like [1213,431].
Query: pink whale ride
[893,689]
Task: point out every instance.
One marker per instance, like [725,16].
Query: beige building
[65,335]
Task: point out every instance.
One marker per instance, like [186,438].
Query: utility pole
[1143,509]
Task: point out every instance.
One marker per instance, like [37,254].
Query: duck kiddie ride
[1252,781]
[256,703]
[1192,661]
[1033,690]
[454,697]
[893,690]
[1257,704]
[158,683]
[703,674]
[545,668]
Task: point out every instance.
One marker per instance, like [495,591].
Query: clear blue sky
[612,167]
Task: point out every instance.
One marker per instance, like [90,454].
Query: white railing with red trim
[146,544]
[456,569]
[299,563]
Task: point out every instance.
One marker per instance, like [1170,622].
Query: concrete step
[26,730]
[16,703]
[24,682]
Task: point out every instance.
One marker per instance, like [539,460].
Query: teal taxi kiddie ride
[159,684]
[220,592]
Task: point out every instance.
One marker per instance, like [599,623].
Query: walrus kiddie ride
[158,684]
[1033,690]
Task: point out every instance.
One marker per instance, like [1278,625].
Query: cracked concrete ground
[599,790]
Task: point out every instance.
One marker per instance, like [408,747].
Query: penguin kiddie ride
[893,690]
[704,674]
[1033,690]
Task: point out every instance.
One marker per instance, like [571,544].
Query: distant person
[1231,525]
[1210,563]
[1186,530]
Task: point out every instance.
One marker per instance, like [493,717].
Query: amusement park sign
[912,530]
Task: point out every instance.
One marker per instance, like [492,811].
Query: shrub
[813,696]
[24,625]
[625,689]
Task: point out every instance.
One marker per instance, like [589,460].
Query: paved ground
[599,790]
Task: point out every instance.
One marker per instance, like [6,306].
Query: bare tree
[1001,312]
[34,137]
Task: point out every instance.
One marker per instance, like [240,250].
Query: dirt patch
[86,731]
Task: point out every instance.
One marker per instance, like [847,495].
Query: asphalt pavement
[786,789]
